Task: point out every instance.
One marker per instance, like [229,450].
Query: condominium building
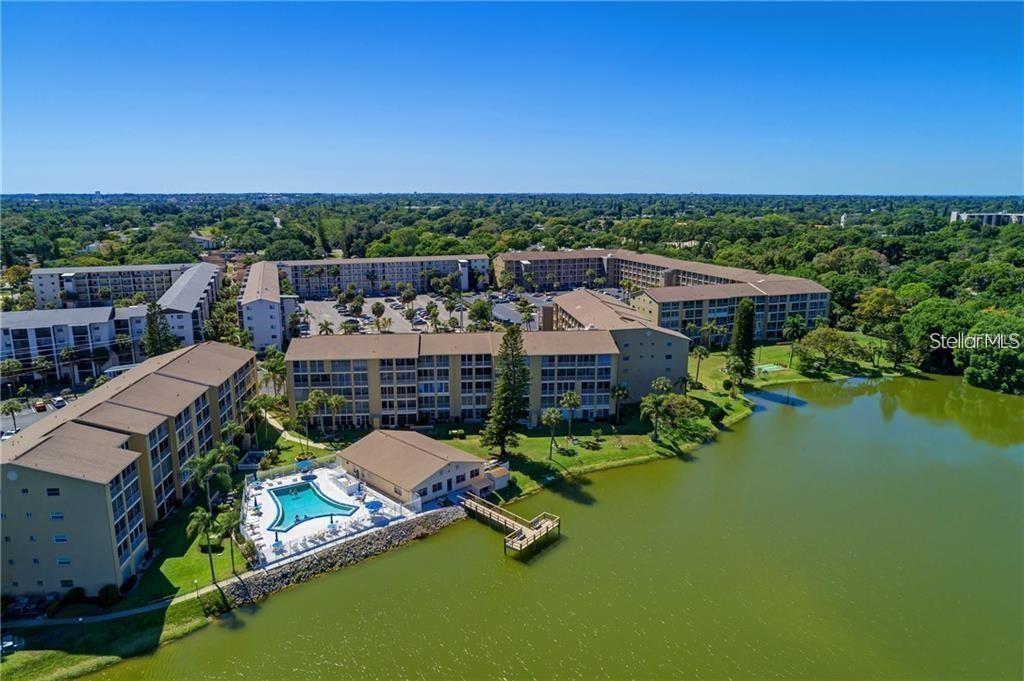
[83,484]
[590,267]
[189,300]
[646,350]
[992,219]
[678,294]
[92,333]
[375,276]
[405,379]
[263,310]
[689,308]
[89,286]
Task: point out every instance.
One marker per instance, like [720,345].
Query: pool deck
[312,534]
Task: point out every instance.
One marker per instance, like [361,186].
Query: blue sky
[760,98]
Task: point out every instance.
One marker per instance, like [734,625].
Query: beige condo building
[681,295]
[82,485]
[395,380]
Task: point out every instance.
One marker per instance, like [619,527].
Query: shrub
[727,384]
[53,608]
[74,595]
[127,584]
[109,595]
[214,602]
[715,413]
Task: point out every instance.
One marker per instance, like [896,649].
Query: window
[60,539]
[461,477]
[56,515]
[422,491]
[435,488]
[24,490]
[10,561]
[35,561]
[668,356]
[53,491]
[67,583]
[474,473]
[63,561]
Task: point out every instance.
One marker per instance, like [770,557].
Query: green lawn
[712,368]
[179,563]
[70,651]
[536,464]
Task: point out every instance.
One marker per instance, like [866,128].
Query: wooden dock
[522,534]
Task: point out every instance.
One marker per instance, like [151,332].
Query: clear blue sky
[794,98]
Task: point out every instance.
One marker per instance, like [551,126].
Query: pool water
[301,502]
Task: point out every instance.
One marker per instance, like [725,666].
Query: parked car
[59,402]
[39,405]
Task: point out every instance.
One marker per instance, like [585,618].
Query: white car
[59,402]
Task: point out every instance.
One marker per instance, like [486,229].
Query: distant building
[82,286]
[265,311]
[206,243]
[993,219]
[89,331]
[646,350]
[83,484]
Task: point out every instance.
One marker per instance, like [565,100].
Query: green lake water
[871,529]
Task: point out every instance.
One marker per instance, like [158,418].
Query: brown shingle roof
[119,417]
[262,283]
[160,395]
[404,458]
[406,345]
[354,346]
[595,342]
[775,286]
[80,452]
[146,389]
[406,258]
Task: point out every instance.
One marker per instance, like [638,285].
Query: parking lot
[326,310]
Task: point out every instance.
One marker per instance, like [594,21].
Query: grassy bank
[712,368]
[66,652]
[536,464]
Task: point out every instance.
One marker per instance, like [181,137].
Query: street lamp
[195,583]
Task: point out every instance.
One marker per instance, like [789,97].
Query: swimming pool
[301,502]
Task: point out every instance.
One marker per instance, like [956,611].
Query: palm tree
[652,408]
[378,311]
[701,353]
[707,330]
[275,368]
[207,467]
[526,311]
[256,408]
[793,329]
[336,404]
[42,366]
[661,384]
[122,342]
[225,526]
[304,410]
[570,401]
[200,521]
[384,324]
[325,328]
[12,408]
[551,417]
[230,431]
[620,392]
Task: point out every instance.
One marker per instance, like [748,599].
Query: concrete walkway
[120,614]
[274,423]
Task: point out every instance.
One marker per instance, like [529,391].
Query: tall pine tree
[511,393]
[742,344]
[157,339]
